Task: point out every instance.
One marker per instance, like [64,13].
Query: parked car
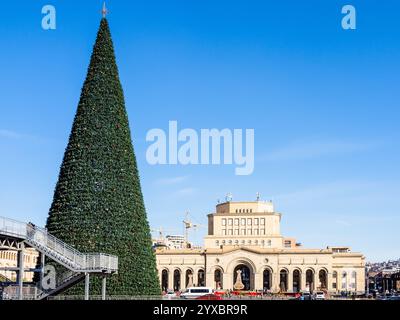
[305,296]
[195,292]
[397,298]
[211,296]
[319,295]
[170,294]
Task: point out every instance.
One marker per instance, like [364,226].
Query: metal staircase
[67,280]
[79,265]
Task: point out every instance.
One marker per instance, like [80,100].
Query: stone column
[227,282]
[329,277]
[209,277]
[171,279]
[275,281]
[195,278]
[183,280]
[303,280]
[258,281]
[289,281]
[314,283]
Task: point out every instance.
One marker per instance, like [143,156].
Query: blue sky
[324,104]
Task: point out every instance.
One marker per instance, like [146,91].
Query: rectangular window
[256,221]
[256,232]
[334,285]
[249,222]
[230,231]
[224,232]
[224,222]
[262,221]
[287,243]
[236,232]
[262,232]
[236,222]
[230,222]
[249,232]
[243,232]
[243,222]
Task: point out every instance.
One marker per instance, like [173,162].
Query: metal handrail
[12,227]
[40,238]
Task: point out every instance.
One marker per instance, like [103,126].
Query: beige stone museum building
[246,237]
[8,263]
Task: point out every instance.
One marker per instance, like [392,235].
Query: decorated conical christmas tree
[98,204]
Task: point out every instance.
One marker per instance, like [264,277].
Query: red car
[211,296]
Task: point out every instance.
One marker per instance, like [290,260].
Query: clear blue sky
[324,104]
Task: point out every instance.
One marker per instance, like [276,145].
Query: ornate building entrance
[245,274]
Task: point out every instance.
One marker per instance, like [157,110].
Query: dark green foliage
[98,203]
[36,275]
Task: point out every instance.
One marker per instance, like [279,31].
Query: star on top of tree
[104,11]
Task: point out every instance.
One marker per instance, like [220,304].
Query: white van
[195,292]
[319,295]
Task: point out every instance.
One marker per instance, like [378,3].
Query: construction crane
[187,224]
[161,232]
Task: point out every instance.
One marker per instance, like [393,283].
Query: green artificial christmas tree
[98,203]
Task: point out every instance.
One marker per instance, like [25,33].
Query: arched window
[189,278]
[334,280]
[164,280]
[200,278]
[218,279]
[283,280]
[353,283]
[296,281]
[322,277]
[245,277]
[344,280]
[177,280]
[310,280]
[266,280]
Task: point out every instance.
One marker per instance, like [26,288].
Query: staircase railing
[42,238]
[12,227]
[57,249]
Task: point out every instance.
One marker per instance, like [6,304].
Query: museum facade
[244,239]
